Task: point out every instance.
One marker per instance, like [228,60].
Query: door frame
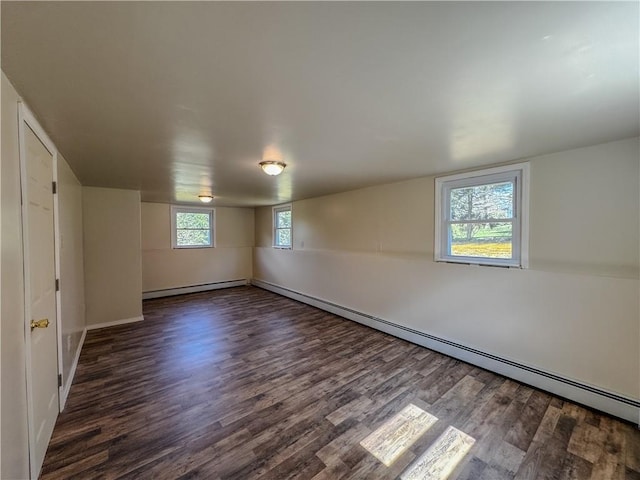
[27,119]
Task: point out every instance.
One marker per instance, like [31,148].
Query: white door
[40,287]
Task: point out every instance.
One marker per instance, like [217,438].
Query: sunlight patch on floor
[398,433]
[441,458]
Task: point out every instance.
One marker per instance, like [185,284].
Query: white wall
[14,453]
[72,305]
[164,267]
[574,312]
[112,258]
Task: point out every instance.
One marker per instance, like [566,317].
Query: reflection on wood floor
[242,384]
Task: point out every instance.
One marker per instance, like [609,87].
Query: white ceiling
[177,99]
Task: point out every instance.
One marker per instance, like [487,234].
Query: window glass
[283,219]
[192,227]
[482,202]
[282,227]
[491,240]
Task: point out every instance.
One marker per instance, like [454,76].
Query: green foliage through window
[282,227]
[482,202]
[192,220]
[193,238]
[283,219]
[480,222]
[491,240]
[481,217]
[193,229]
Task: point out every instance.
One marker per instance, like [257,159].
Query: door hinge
[59,380]
[57,284]
[54,187]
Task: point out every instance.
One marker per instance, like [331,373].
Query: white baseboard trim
[115,322]
[610,402]
[72,372]
[168,292]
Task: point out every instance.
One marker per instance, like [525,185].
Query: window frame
[175,209]
[274,230]
[519,174]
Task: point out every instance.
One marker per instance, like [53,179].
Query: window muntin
[192,227]
[479,217]
[282,223]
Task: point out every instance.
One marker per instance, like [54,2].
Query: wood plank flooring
[245,384]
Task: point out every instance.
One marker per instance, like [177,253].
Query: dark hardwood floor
[242,383]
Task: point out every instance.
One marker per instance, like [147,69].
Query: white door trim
[26,118]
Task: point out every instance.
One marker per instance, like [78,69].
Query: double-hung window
[482,217]
[282,227]
[192,227]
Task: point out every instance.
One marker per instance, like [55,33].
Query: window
[192,227]
[482,217]
[282,227]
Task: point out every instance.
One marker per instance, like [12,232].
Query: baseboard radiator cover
[169,292]
[609,402]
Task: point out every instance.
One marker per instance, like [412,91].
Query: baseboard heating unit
[168,292]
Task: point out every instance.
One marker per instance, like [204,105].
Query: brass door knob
[44,323]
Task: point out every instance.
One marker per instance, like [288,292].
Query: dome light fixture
[272,167]
[206,198]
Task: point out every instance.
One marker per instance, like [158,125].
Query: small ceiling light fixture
[205,198]
[272,167]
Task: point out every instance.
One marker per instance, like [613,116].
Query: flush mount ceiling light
[272,167]
[205,198]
